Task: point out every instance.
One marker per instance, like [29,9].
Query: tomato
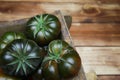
[21,57]
[38,75]
[62,61]
[9,37]
[43,28]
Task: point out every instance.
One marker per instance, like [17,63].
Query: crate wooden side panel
[67,37]
[79,11]
[18,26]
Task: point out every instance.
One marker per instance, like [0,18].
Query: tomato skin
[50,71]
[62,61]
[43,28]
[8,37]
[71,65]
[38,75]
[21,57]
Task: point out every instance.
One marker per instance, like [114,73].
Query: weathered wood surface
[94,34]
[117,77]
[81,1]
[80,12]
[103,60]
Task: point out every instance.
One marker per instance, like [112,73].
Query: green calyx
[55,55]
[22,62]
[21,59]
[55,58]
[56,50]
[41,24]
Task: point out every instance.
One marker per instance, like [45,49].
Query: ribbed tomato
[8,37]
[43,28]
[21,57]
[62,61]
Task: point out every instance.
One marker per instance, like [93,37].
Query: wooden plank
[93,34]
[79,12]
[113,77]
[102,60]
[86,19]
[81,1]
[91,76]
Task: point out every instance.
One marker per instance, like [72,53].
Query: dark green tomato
[7,77]
[62,61]
[38,75]
[50,71]
[9,37]
[43,28]
[21,57]
[71,65]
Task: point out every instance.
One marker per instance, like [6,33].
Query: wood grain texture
[109,13]
[94,34]
[103,60]
[81,1]
[80,12]
[91,75]
[109,77]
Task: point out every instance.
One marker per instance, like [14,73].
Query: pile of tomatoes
[38,54]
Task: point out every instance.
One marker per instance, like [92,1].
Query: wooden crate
[67,37]
[95,29]
[19,26]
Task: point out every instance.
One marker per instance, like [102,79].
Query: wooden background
[95,29]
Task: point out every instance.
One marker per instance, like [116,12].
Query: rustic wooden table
[95,29]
